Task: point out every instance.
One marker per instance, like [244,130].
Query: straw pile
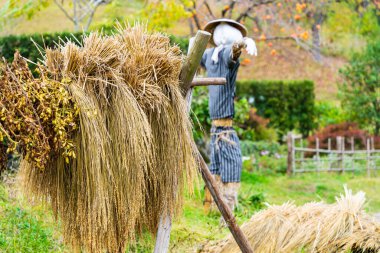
[314,227]
[126,153]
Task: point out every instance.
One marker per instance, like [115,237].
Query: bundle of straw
[134,150]
[313,227]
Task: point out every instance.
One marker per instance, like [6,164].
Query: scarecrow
[222,60]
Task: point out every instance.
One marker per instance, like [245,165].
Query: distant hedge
[24,43]
[288,104]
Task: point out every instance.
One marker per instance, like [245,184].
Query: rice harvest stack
[104,134]
[313,227]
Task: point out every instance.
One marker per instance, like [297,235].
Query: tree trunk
[75,17]
[316,38]
[191,26]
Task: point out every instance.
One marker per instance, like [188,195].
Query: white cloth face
[225,34]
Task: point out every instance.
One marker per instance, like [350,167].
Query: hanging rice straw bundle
[152,75]
[132,150]
[314,227]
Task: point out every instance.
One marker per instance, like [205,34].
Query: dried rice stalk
[314,227]
[134,146]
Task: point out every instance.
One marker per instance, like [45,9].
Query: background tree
[360,93]
[80,12]
[275,20]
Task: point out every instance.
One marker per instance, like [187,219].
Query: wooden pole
[368,158]
[339,148]
[318,155]
[226,212]
[290,154]
[302,155]
[343,153]
[329,158]
[163,235]
[373,152]
[192,61]
[353,154]
[208,81]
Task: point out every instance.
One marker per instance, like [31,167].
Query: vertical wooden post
[339,153]
[318,157]
[368,158]
[302,155]
[329,144]
[329,156]
[343,153]
[374,168]
[290,154]
[353,154]
[163,234]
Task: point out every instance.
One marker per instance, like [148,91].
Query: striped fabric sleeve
[227,56]
[204,58]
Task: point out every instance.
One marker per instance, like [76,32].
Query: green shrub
[263,148]
[288,104]
[183,43]
[328,113]
[360,91]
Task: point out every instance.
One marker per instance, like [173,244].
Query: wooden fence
[334,158]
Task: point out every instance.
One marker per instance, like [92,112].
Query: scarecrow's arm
[247,43]
[236,49]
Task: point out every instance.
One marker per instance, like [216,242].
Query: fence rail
[337,158]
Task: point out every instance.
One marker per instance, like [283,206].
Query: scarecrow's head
[225,31]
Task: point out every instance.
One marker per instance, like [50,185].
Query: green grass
[30,228]
[26,228]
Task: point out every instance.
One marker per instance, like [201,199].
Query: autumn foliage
[348,130]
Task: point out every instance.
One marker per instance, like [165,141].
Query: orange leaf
[262,37]
[245,62]
[273,52]
[297,17]
[305,35]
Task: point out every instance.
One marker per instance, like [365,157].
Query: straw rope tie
[224,136]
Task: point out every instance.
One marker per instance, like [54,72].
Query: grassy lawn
[26,227]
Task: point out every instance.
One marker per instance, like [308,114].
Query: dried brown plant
[313,227]
[134,149]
